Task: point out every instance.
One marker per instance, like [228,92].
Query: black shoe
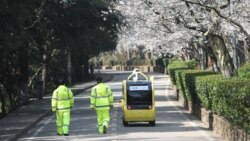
[104,129]
[59,134]
[66,134]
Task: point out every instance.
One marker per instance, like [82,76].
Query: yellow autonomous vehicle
[138,103]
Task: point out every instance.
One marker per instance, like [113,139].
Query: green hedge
[189,82]
[244,71]
[204,87]
[231,99]
[179,81]
[178,65]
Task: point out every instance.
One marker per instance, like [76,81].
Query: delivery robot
[138,103]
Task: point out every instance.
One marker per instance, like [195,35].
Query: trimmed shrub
[179,81]
[231,99]
[189,82]
[191,64]
[244,71]
[204,86]
[178,65]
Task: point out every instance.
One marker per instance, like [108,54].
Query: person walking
[101,99]
[62,101]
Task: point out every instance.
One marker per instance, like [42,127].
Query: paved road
[173,122]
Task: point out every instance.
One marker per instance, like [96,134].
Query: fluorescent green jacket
[62,99]
[101,97]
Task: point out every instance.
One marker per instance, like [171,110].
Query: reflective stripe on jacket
[101,97]
[62,99]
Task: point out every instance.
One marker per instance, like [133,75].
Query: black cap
[99,79]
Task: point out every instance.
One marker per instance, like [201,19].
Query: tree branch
[170,31]
[32,25]
[185,24]
[222,16]
[35,75]
[192,12]
[226,5]
[158,13]
[39,17]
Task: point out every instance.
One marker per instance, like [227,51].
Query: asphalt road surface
[173,123]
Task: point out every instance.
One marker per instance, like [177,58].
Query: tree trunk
[77,70]
[241,53]
[86,66]
[219,50]
[235,50]
[215,67]
[24,72]
[44,74]
[69,68]
[246,49]
[2,101]
[44,70]
[202,59]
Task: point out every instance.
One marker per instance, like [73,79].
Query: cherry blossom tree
[173,26]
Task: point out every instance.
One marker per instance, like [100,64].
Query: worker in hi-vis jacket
[62,101]
[101,99]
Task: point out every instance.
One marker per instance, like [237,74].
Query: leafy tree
[50,39]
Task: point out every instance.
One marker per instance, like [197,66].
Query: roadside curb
[20,133]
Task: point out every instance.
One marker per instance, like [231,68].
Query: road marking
[41,128]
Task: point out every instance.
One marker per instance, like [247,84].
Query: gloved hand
[53,110]
[91,107]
